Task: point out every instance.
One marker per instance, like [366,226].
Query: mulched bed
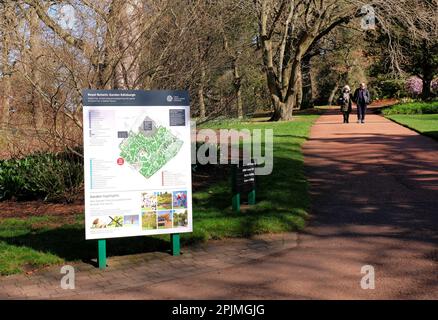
[377,104]
[20,209]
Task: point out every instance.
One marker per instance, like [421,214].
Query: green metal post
[252,197]
[176,245]
[235,200]
[101,258]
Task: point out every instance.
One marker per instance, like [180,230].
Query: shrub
[413,108]
[414,86]
[434,86]
[48,176]
[392,89]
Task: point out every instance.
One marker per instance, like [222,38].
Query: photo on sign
[107,222]
[164,200]
[149,220]
[179,199]
[131,221]
[180,218]
[149,201]
[165,219]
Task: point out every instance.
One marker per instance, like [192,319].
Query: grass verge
[426,124]
[282,205]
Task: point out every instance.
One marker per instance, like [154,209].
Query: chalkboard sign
[245,177]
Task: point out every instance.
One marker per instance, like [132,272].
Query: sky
[65,14]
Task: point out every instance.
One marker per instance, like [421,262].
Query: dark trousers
[361,111]
[346,115]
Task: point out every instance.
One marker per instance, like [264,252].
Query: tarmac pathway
[374,190]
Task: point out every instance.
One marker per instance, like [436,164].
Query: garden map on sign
[149,149]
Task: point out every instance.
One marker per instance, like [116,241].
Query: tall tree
[236,23]
[411,48]
[115,59]
[35,55]
[288,29]
[6,13]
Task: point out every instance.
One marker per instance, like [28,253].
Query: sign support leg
[235,201]
[175,243]
[252,197]
[101,257]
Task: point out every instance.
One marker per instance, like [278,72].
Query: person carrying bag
[345,103]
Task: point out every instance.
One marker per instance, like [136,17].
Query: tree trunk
[35,52]
[426,93]
[427,70]
[120,68]
[238,89]
[306,83]
[202,113]
[282,110]
[332,94]
[298,93]
[6,73]
[105,75]
[284,102]
[128,69]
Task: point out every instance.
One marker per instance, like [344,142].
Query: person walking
[345,103]
[362,99]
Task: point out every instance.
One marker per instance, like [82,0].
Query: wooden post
[101,257]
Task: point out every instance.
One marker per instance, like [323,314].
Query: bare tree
[6,14]
[235,24]
[34,59]
[289,28]
[115,55]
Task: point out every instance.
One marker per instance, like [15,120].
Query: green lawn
[282,205]
[426,124]
[282,198]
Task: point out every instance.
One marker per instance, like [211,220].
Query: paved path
[375,201]
[374,192]
[127,273]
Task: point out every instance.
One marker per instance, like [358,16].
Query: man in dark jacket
[362,99]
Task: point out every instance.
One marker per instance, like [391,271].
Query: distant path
[375,202]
